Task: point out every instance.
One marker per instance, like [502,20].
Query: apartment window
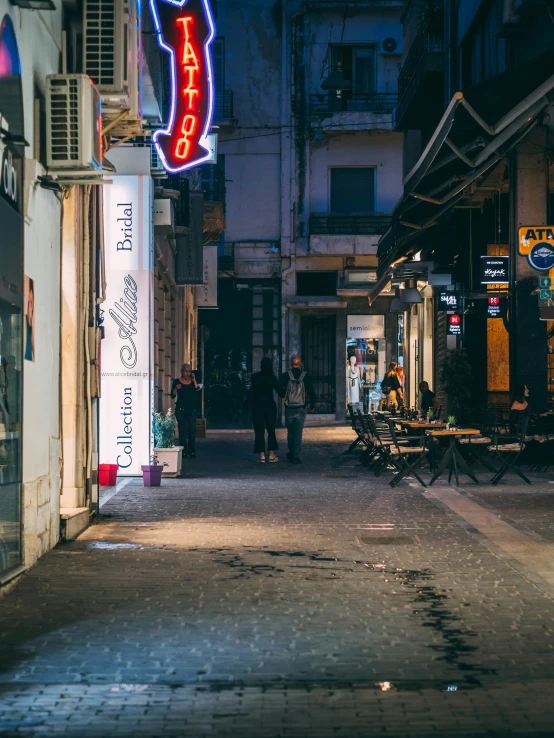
[316,284]
[352,189]
[483,53]
[213,180]
[358,65]
[218,61]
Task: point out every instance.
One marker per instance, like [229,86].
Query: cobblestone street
[273,601]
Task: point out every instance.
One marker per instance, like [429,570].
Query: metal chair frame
[401,452]
[508,457]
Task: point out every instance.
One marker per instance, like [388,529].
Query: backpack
[386,388]
[295,396]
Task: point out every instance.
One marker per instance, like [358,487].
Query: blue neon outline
[173,68]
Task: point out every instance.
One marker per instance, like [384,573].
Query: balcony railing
[380,103]
[349,224]
[223,109]
[429,40]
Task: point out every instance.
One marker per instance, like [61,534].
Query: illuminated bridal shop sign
[126,365]
[185,30]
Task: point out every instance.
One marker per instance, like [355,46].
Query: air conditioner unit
[391,45]
[73,123]
[156,167]
[112,53]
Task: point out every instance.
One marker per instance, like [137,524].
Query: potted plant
[451,422]
[170,455]
[152,473]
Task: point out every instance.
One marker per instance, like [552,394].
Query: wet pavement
[273,601]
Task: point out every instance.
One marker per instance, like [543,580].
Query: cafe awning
[475,133]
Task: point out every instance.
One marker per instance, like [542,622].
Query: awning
[475,133]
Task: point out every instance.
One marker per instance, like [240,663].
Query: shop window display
[10,435]
[365,363]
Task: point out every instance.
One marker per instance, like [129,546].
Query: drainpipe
[86,332]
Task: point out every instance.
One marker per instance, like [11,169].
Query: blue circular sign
[541,256]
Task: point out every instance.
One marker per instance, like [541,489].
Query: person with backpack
[298,390]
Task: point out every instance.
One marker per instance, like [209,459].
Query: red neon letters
[185,29]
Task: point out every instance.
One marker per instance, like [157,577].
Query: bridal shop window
[365,361]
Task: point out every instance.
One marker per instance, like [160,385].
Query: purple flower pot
[152,475]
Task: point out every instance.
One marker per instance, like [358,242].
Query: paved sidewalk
[273,601]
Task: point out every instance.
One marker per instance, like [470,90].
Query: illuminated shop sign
[495,307]
[185,29]
[455,325]
[365,326]
[537,244]
[126,350]
[495,270]
[448,301]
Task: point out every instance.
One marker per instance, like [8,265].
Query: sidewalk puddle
[109,546]
[431,604]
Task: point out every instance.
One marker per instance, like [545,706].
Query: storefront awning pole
[378,287]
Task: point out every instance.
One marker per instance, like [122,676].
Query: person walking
[264,410]
[185,389]
[390,386]
[298,390]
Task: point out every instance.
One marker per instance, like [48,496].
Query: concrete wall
[39,40]
[252,151]
[382,150]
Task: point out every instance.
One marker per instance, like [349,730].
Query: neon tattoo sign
[185,29]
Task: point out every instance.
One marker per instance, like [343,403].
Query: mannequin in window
[354,385]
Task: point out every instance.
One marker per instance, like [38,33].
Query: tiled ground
[265,601]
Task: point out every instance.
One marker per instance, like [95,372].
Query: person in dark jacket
[185,389]
[264,410]
[295,413]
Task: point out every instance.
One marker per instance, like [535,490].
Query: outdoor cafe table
[452,457]
[423,425]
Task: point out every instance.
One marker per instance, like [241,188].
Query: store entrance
[365,361]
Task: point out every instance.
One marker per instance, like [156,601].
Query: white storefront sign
[365,326]
[126,351]
[206,294]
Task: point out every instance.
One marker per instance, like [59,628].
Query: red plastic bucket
[107,474]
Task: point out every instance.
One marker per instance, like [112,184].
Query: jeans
[264,416]
[295,417]
[186,419]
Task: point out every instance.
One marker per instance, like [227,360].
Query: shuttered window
[352,190]
[218,62]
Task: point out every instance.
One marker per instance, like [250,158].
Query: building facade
[475,91]
[93,234]
[312,170]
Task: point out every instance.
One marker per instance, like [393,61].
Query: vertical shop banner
[126,390]
[206,294]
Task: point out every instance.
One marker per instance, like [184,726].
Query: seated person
[520,408]
[429,401]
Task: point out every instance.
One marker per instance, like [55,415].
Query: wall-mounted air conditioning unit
[156,167]
[112,53]
[391,45]
[73,123]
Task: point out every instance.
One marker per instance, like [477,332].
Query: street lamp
[336,82]
[410,294]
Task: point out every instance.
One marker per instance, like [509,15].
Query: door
[318,355]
